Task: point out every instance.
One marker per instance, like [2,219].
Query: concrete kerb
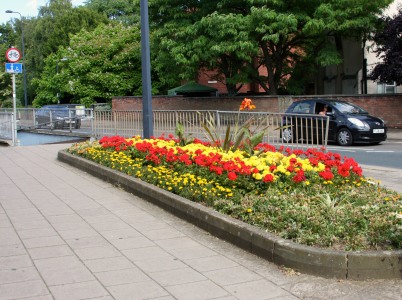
[321,262]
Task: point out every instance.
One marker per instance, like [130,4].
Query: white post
[14,124]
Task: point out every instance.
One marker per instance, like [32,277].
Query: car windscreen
[348,108]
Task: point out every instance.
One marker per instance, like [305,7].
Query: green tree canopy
[125,11]
[97,65]
[276,34]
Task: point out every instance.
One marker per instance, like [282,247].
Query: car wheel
[287,136]
[344,137]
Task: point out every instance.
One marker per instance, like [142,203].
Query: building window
[384,88]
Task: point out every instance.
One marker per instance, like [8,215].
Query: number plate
[378,130]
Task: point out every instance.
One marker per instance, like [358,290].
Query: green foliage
[124,11]
[238,38]
[100,64]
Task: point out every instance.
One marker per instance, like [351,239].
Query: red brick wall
[387,107]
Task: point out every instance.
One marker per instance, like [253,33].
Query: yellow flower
[249,210]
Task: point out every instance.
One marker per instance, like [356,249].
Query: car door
[299,119]
[325,120]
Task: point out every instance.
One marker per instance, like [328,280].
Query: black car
[57,116]
[347,123]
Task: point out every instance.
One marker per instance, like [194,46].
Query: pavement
[65,234]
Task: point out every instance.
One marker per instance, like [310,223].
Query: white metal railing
[279,129]
[7,131]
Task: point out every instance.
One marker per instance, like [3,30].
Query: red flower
[268,178]
[232,176]
[299,177]
[327,175]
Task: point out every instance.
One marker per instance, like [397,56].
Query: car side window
[319,107]
[301,108]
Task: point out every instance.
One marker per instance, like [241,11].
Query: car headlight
[359,124]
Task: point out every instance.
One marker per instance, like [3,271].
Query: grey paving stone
[81,225]
[58,210]
[49,252]
[46,297]
[43,241]
[66,275]
[192,252]
[11,250]
[233,275]
[146,253]
[57,263]
[138,291]
[197,290]
[81,290]
[25,289]
[176,277]
[261,289]
[131,243]
[18,275]
[177,243]
[102,219]
[92,212]
[106,226]
[160,264]
[37,232]
[70,218]
[87,242]
[143,221]
[8,237]
[4,221]
[163,234]
[108,264]
[122,276]
[120,233]
[31,224]
[28,209]
[97,252]
[77,233]
[211,263]
[15,262]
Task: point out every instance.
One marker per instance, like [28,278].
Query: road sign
[13,68]
[13,55]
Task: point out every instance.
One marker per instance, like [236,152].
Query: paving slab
[178,261]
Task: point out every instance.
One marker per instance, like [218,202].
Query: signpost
[13,55]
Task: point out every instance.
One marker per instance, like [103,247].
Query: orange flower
[247,104]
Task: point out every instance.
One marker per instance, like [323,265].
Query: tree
[48,31]
[99,64]
[388,43]
[282,32]
[6,40]
[125,11]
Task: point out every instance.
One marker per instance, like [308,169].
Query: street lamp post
[57,72]
[23,57]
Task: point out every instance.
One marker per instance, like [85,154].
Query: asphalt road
[387,154]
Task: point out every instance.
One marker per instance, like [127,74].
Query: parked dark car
[348,123]
[57,116]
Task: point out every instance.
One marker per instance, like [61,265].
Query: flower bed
[311,197]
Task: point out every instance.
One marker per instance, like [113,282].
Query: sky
[27,8]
